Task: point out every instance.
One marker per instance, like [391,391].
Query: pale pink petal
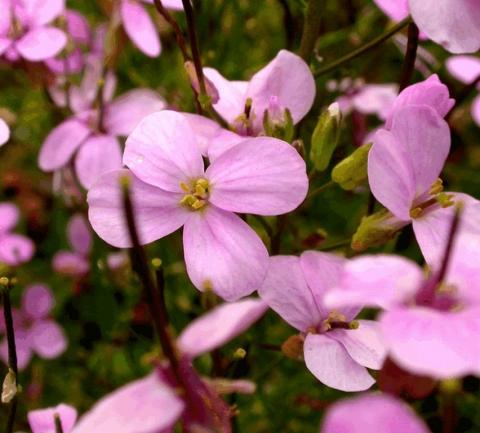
[170,4]
[43,420]
[79,235]
[222,142]
[37,301]
[61,144]
[39,12]
[125,112]
[476,110]
[9,215]
[223,253]
[455,24]
[331,364]
[381,281]
[464,68]
[286,292]
[157,212]
[289,80]
[404,162]
[23,349]
[262,175]
[397,10]
[232,96]
[140,27]
[364,344]
[5,17]
[146,402]
[163,151]
[219,326]
[4,131]
[41,43]
[433,343]
[48,339]
[98,155]
[372,413]
[78,27]
[71,264]
[375,99]
[15,249]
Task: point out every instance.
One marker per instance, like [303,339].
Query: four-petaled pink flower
[337,354]
[25,30]
[14,249]
[35,332]
[171,188]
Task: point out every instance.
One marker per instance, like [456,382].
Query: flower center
[438,197]
[196,194]
[336,320]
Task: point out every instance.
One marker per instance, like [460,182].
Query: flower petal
[125,112]
[4,131]
[39,12]
[157,212]
[15,249]
[61,144]
[43,420]
[147,402]
[37,301]
[140,28]
[98,155]
[397,10]
[286,292]
[219,326]
[9,215]
[262,175]
[23,349]
[79,235]
[70,263]
[455,24]
[48,339]
[163,151]
[331,364]
[223,253]
[464,68]
[41,43]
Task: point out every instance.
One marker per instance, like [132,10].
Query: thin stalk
[58,424]
[447,254]
[463,94]
[363,49]
[288,24]
[408,66]
[311,28]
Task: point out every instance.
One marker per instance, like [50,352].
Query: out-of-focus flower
[455,24]
[372,413]
[4,132]
[91,133]
[336,350]
[170,188]
[43,420]
[15,249]
[35,332]
[139,26]
[467,69]
[25,29]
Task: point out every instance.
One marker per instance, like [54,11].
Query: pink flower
[35,332]
[90,139]
[4,132]
[25,30]
[14,249]
[43,420]
[171,188]
[467,70]
[139,26]
[285,83]
[430,327]
[334,352]
[371,413]
[455,24]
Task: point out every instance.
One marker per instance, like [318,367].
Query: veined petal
[223,253]
[464,68]
[39,12]
[262,175]
[397,10]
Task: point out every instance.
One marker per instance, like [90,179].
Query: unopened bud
[292,347]
[240,353]
[351,172]
[325,137]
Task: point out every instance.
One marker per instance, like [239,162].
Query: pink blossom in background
[397,10]
[14,249]
[335,354]
[35,332]
[4,132]
[372,413]
[285,83]
[170,188]
[94,146]
[43,420]
[140,27]
[467,69]
[25,30]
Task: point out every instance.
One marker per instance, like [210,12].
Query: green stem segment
[363,49]
[311,28]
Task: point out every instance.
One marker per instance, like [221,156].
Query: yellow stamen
[196,194]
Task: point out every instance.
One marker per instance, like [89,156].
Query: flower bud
[325,137]
[351,172]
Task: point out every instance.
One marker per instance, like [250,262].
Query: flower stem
[447,255]
[58,424]
[410,56]
[311,28]
[363,49]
